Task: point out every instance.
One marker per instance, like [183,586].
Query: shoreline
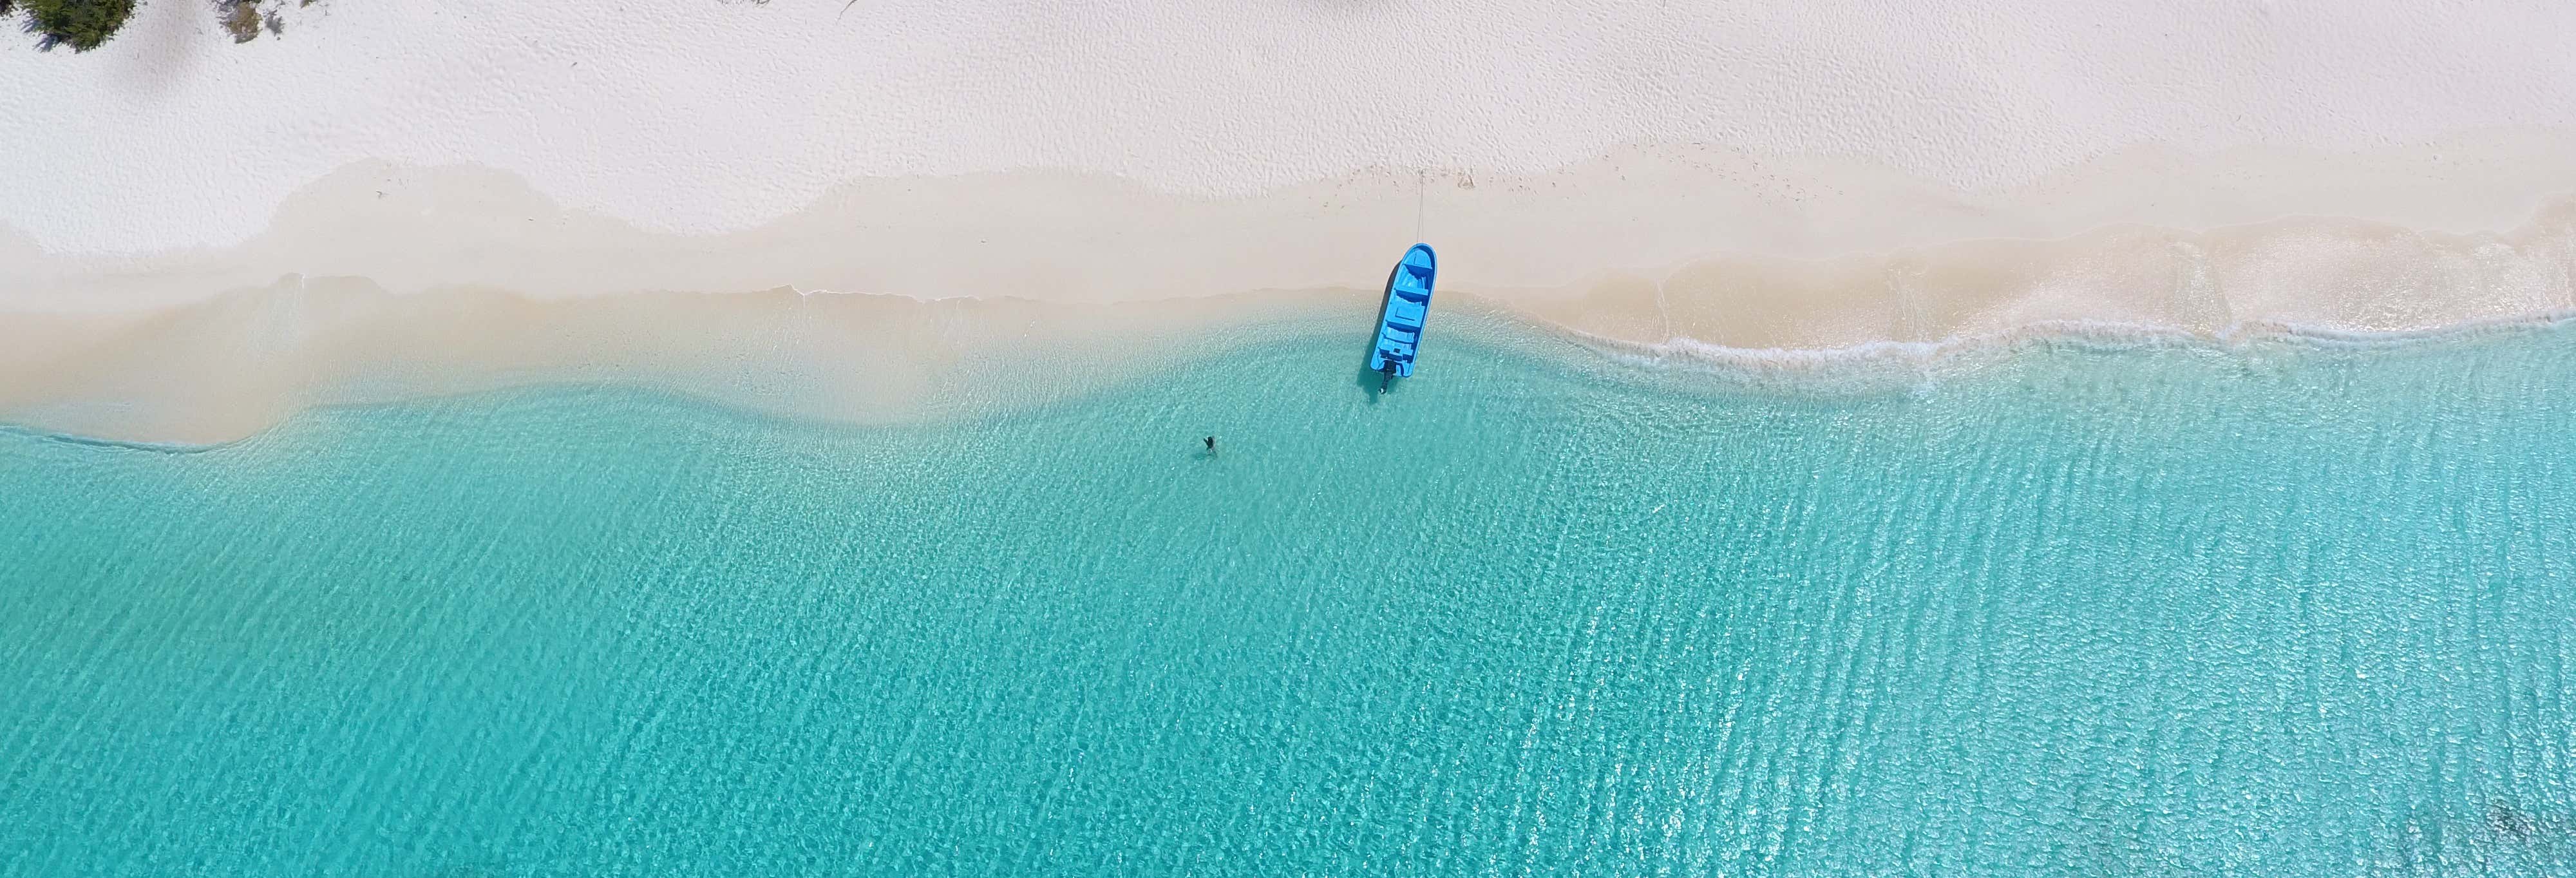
[227,371]
[230,367]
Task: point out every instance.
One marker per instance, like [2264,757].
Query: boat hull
[1408,302]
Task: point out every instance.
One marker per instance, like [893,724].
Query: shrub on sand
[80,24]
[241,19]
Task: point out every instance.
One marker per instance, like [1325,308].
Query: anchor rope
[1421,198]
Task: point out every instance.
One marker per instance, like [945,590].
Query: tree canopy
[80,24]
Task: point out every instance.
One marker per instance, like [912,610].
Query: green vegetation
[242,20]
[80,24]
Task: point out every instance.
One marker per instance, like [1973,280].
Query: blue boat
[1408,300]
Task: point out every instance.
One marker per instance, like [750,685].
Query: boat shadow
[1371,381]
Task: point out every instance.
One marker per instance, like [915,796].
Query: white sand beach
[197,237]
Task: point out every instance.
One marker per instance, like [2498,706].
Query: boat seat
[1411,296]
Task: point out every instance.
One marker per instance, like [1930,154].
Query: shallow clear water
[2280,610]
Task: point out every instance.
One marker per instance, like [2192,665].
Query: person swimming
[1211,444]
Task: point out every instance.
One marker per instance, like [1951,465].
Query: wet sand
[382,281]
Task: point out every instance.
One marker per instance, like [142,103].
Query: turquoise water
[2281,610]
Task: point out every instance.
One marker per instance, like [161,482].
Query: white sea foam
[1904,367]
